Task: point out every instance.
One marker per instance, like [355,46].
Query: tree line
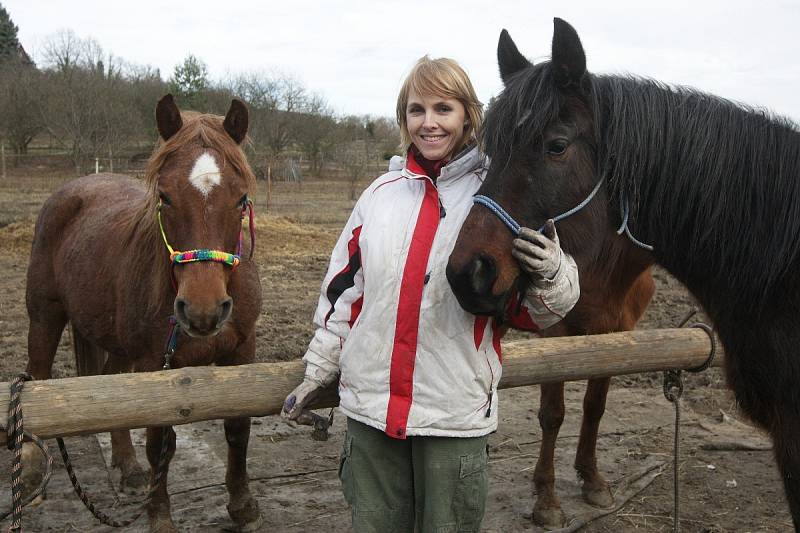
[93,104]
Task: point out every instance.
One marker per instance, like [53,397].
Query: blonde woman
[417,374]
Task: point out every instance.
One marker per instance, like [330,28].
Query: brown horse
[106,258]
[705,187]
[616,287]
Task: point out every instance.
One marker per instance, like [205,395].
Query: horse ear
[508,57]
[569,60]
[236,121]
[168,117]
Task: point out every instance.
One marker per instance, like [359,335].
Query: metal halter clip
[172,342]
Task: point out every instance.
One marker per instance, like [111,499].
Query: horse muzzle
[199,320]
[473,285]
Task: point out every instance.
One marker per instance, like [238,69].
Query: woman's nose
[430,122]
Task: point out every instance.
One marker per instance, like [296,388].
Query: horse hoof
[163,526]
[549,518]
[134,482]
[246,515]
[599,497]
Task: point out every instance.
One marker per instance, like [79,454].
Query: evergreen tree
[189,82]
[9,44]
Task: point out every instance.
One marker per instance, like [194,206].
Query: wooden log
[92,404]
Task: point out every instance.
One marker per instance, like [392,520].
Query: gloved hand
[539,254]
[295,404]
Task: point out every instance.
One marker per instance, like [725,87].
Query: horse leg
[787,454]
[158,508]
[243,507]
[547,511]
[133,478]
[44,333]
[595,488]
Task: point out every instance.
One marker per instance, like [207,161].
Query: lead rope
[15,433]
[514,226]
[673,389]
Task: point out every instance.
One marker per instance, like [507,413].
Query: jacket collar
[469,159]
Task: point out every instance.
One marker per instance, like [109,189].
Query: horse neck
[706,180]
[148,281]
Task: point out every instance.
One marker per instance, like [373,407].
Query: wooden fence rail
[92,404]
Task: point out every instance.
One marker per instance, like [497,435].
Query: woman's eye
[415,110]
[445,109]
[557,147]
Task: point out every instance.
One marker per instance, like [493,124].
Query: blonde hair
[440,77]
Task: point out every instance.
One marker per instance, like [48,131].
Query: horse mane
[713,184]
[142,224]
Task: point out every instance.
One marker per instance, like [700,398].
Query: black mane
[714,185]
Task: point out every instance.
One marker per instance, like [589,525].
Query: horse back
[78,251]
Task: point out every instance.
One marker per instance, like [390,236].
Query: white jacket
[411,361]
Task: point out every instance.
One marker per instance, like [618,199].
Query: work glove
[539,254]
[294,406]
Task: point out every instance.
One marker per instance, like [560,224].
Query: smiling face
[435,125]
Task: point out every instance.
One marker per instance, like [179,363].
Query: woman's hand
[538,254]
[295,404]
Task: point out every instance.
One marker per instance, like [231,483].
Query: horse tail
[89,358]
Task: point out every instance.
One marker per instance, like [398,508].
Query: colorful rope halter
[204,254]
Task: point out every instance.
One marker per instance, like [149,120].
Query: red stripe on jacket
[404,351]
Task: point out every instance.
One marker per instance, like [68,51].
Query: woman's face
[435,125]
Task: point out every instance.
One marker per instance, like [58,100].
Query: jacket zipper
[491,389]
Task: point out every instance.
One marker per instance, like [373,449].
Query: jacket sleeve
[547,301]
[339,301]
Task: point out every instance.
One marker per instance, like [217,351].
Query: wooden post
[97,165]
[3,157]
[92,404]
[269,187]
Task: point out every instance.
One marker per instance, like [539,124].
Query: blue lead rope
[501,213]
[514,226]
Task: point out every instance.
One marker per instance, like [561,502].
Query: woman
[417,374]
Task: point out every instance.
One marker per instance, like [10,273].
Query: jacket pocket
[473,482]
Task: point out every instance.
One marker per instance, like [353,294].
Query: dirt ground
[728,477]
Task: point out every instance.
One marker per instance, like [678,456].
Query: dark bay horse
[616,287]
[126,261]
[707,188]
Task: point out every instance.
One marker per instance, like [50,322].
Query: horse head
[200,181]
[539,135]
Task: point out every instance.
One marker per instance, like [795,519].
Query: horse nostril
[225,309]
[180,311]
[482,274]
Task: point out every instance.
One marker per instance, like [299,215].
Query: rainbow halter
[205,254]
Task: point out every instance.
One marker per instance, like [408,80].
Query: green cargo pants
[420,484]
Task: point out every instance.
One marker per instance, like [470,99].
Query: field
[728,478]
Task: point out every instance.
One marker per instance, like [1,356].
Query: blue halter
[514,226]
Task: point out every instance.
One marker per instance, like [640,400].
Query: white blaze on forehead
[205,174]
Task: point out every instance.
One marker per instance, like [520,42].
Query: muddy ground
[728,478]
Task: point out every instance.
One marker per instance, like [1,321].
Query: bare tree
[20,104]
[89,104]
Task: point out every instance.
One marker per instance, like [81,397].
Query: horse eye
[164,199]
[557,147]
[242,201]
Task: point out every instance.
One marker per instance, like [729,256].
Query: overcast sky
[356,53]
